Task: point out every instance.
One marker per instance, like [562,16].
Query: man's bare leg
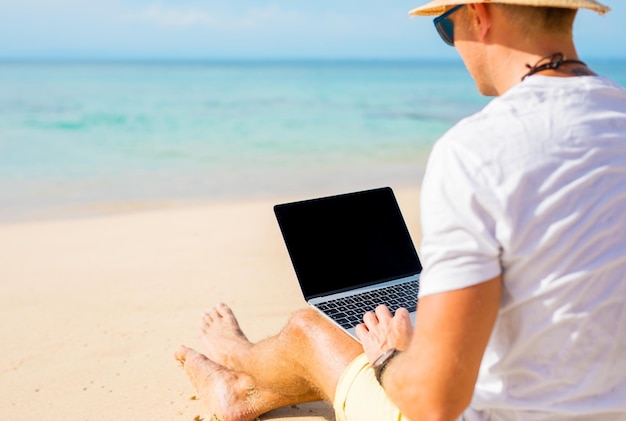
[309,351]
[302,363]
[227,394]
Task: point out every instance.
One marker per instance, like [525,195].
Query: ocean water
[76,138]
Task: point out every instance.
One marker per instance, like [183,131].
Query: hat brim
[438,7]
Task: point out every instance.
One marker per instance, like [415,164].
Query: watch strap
[380,365]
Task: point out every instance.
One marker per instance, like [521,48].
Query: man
[522,311]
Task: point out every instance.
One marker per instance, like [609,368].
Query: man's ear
[480,15]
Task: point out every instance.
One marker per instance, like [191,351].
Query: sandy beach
[92,309]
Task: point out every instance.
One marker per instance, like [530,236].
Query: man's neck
[512,55]
[512,65]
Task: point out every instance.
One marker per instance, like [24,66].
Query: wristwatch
[381,363]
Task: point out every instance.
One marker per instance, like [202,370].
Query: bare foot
[228,395]
[222,337]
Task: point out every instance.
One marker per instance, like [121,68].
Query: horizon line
[218,60]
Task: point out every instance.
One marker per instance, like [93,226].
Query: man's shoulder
[482,127]
[549,92]
[520,129]
[546,99]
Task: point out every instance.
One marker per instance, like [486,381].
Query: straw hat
[437,7]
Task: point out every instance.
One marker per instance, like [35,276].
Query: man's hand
[434,377]
[381,331]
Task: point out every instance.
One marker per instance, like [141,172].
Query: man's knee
[306,324]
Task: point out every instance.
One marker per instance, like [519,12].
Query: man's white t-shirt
[533,187]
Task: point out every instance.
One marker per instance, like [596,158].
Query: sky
[249,29]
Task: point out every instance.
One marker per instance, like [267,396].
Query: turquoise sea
[78,137]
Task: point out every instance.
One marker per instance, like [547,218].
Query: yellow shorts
[359,397]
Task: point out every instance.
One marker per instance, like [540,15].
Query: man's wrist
[381,363]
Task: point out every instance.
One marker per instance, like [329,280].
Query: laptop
[351,252]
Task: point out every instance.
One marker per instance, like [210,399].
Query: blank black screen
[340,242]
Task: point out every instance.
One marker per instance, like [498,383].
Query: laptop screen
[341,242]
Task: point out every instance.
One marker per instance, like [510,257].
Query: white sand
[91,310]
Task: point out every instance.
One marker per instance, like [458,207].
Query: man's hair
[547,19]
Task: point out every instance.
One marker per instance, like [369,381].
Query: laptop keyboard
[349,311]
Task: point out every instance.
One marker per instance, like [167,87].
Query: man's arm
[435,377]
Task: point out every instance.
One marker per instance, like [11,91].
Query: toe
[215,314]
[225,311]
[207,318]
[181,354]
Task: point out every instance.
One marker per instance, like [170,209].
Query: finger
[361,330]
[370,319]
[365,336]
[403,317]
[383,312]
[368,340]
[403,313]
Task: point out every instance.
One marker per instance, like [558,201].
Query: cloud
[161,16]
[270,16]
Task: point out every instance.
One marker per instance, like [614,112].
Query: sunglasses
[445,27]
